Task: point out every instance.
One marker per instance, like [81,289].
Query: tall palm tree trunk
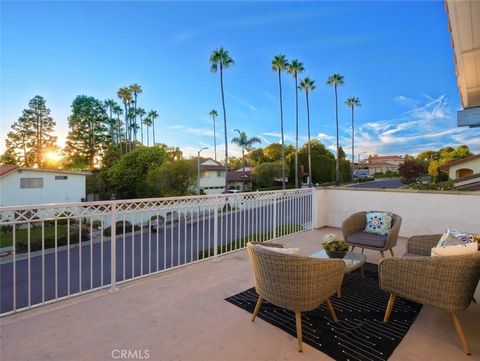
[141,129]
[118,131]
[127,127]
[337,163]
[281,128]
[214,138]
[309,145]
[296,132]
[353,137]
[148,137]
[153,130]
[243,173]
[225,128]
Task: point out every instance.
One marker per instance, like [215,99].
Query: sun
[53,156]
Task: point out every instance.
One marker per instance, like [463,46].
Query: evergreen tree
[88,132]
[32,134]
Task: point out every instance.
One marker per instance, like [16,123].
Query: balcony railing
[57,251]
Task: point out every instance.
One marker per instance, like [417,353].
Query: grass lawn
[21,235]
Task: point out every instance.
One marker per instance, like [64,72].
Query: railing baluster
[43,261]
[113,249]
[68,256]
[80,254]
[29,264]
[14,258]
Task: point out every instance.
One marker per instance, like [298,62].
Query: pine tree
[32,134]
[88,133]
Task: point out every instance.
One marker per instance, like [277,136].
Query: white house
[28,186]
[381,163]
[212,176]
[465,172]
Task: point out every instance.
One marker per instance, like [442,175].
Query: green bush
[242,242]
[119,228]
[444,186]
[49,240]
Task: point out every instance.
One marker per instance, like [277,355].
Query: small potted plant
[334,246]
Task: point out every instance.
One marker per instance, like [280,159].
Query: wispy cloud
[243,102]
[247,21]
[428,123]
[191,130]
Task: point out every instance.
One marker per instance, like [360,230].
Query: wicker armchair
[447,283]
[294,282]
[353,232]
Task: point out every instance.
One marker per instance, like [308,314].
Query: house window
[61,177]
[220,174]
[31,182]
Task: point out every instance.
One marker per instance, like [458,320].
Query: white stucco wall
[421,212]
[474,165]
[54,191]
[210,179]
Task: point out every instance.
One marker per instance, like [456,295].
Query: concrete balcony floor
[182,315]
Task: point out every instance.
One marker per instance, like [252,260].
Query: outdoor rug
[360,333]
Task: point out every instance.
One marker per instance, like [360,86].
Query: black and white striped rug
[360,333]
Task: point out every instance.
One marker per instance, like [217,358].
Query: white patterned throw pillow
[455,243]
[379,223]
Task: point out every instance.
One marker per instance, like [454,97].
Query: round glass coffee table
[353,262]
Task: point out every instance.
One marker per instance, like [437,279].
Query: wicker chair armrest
[447,283]
[353,224]
[267,244]
[393,234]
[422,244]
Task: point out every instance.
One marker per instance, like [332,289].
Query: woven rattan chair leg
[353,247]
[257,308]
[363,250]
[460,334]
[391,252]
[391,302]
[298,318]
[331,310]
[382,255]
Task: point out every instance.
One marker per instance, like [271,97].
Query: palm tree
[141,113]
[308,85]
[135,128]
[110,104]
[148,123]
[132,123]
[279,64]
[353,102]
[245,143]
[125,94]
[135,89]
[152,114]
[295,68]
[336,80]
[117,110]
[214,114]
[220,59]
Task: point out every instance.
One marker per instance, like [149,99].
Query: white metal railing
[56,251]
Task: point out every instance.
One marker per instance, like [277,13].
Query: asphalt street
[136,254]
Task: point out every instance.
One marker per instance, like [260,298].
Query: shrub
[119,228]
[49,241]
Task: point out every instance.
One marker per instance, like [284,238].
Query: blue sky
[395,56]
